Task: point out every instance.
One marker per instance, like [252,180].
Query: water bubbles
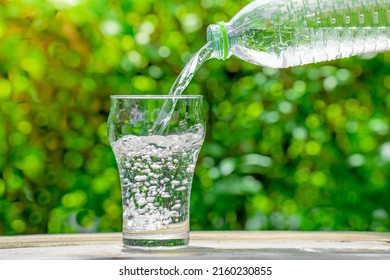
[165,195]
[155,172]
[170,166]
[142,211]
[176,206]
[145,157]
[155,166]
[153,193]
[146,171]
[191,168]
[140,178]
[175,214]
[137,196]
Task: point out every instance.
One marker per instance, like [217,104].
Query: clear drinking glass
[156,168]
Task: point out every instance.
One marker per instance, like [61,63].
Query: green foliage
[303,148]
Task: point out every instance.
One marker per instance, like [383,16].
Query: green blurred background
[304,148]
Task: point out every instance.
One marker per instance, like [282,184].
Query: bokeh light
[303,148]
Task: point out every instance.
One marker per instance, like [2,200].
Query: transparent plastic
[284,33]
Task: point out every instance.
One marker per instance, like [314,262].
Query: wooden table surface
[216,245]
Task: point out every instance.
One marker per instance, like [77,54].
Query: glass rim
[151,96]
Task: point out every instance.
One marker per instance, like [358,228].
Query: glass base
[169,241]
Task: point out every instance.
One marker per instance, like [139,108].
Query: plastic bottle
[284,33]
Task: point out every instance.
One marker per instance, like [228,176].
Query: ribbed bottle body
[284,33]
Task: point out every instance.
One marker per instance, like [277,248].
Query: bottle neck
[218,35]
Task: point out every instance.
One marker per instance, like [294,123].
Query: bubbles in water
[156,174]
